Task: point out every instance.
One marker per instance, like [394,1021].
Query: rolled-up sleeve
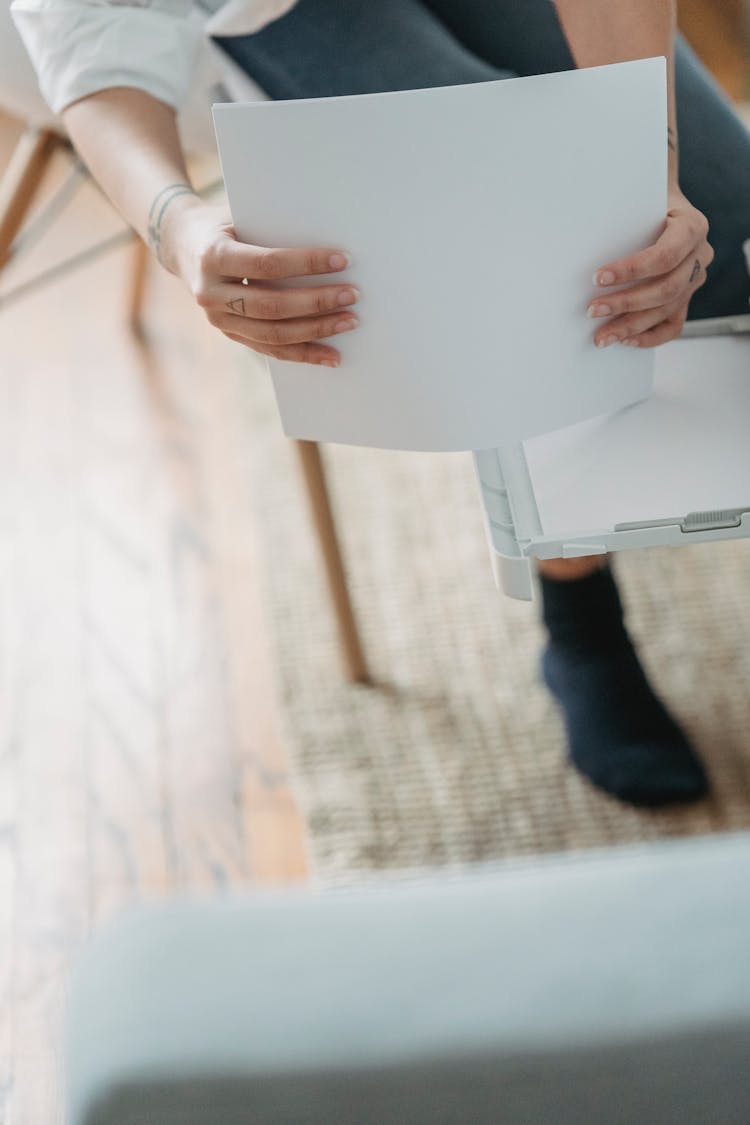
[79,47]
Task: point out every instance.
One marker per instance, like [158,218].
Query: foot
[620,734]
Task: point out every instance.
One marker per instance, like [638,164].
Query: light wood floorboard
[719,31]
[139,745]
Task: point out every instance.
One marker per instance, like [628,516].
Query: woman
[116,70]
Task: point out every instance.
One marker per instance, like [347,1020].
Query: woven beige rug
[457,755]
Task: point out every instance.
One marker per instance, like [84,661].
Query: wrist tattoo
[672,139]
[157,211]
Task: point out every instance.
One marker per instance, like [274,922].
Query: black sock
[620,734]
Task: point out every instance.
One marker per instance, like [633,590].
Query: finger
[688,276]
[678,240]
[277,333]
[624,328]
[668,330]
[314,354]
[281,304]
[260,263]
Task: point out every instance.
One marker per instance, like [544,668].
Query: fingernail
[631,343]
[330,362]
[338,261]
[348,296]
[606,342]
[606,278]
[600,310]
[346,325]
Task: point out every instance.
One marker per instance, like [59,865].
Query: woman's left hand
[660,282]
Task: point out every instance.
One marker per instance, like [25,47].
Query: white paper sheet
[475,217]
[684,450]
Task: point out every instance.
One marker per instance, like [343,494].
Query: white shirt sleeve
[81,46]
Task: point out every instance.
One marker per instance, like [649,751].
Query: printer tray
[673,469]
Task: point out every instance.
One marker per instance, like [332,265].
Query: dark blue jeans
[327,47]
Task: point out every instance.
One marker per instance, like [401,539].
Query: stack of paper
[475,217]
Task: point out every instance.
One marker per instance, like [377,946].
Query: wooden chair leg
[137,287]
[21,181]
[313,473]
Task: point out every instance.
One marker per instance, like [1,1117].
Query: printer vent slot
[498,507]
[713,520]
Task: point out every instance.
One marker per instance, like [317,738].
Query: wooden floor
[139,750]
[718,30]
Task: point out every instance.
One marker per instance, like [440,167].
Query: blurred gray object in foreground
[610,988]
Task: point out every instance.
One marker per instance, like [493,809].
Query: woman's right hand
[263,311]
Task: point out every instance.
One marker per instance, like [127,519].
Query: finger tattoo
[696,270]
[237,305]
